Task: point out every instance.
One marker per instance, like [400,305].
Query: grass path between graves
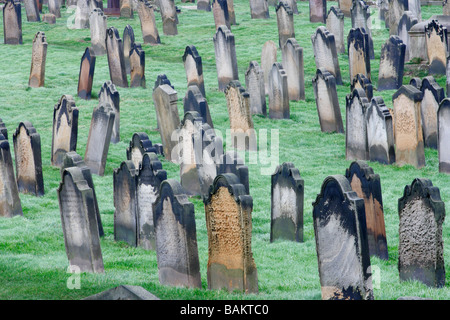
[33,262]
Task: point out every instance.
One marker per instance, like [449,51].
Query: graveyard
[53,71]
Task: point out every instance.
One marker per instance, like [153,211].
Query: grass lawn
[33,260]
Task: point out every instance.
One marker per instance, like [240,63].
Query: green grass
[33,260]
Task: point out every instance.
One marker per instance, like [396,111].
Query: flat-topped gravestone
[49,18]
[278,93]
[259,9]
[128,42]
[358,53]
[109,95]
[437,47]
[325,54]
[360,81]
[79,222]
[367,186]
[10,204]
[254,81]
[230,162]
[176,237]
[12,22]
[407,21]
[345,6]
[82,15]
[285,22]
[228,211]
[98,26]
[341,242]
[126,9]
[317,11]
[116,59]
[27,152]
[421,250]
[392,60]
[225,54]
[335,25]
[395,12]
[287,193]
[32,10]
[220,13]
[194,68]
[204,5]
[356,147]
[195,101]
[268,58]
[169,17]
[137,66]
[38,58]
[149,29]
[327,102]
[231,13]
[409,145]
[292,55]
[443,118]
[380,132]
[86,75]
[433,94]
[140,144]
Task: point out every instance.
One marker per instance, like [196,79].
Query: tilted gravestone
[176,237]
[79,222]
[433,94]
[12,22]
[421,250]
[27,152]
[317,11]
[327,102]
[225,54]
[409,145]
[395,12]
[437,47]
[335,25]
[356,147]
[360,16]
[194,68]
[443,118]
[140,144]
[108,94]
[392,60]
[220,13]
[54,7]
[341,242]
[230,162]
[367,186]
[38,58]
[268,58]
[285,22]
[128,42]
[292,55]
[360,81]
[278,93]
[287,193]
[380,132]
[65,129]
[169,17]
[259,9]
[137,66]
[228,211]
[358,53]
[32,10]
[195,101]
[406,22]
[254,81]
[98,26]
[325,54]
[82,15]
[149,29]
[86,75]
[116,59]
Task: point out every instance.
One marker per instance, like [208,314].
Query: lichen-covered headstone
[325,54]
[292,55]
[38,58]
[10,204]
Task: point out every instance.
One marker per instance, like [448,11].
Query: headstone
[140,144]
[137,65]
[3,129]
[225,53]
[421,250]
[292,55]
[126,9]
[99,138]
[278,93]
[437,47]
[254,81]
[360,15]
[128,42]
[12,22]
[380,132]
[259,9]
[38,57]
[220,13]
[204,5]
[341,242]
[317,11]
[49,18]
[176,237]
[169,17]
[395,12]
[268,58]
[86,76]
[109,95]
[149,30]
[392,60]
[285,22]
[195,101]
[10,204]
[335,25]
[404,25]
[367,186]
[327,102]
[27,152]
[123,292]
[447,81]
[325,53]
[32,10]
[65,129]
[116,59]
[443,118]
[345,6]
[54,7]
[408,127]
[293,5]
[360,81]
[358,53]
[287,193]
[194,68]
[446,7]
[113,8]
[98,26]
[356,147]
[416,82]
[415,7]
[230,162]
[228,222]
[79,222]
[82,14]
[231,14]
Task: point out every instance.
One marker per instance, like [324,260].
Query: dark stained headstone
[356,147]
[230,162]
[3,129]
[317,11]
[137,66]
[128,42]
[360,81]
[108,94]
[116,59]
[126,8]
[360,16]
[254,81]
[10,204]
[38,58]
[437,47]
[443,118]
[407,21]
[149,29]
[12,22]
[32,10]
[220,13]
[194,68]
[225,53]
[416,82]
[140,144]
[325,53]
[292,55]
[86,76]
[395,11]
[358,53]
[195,101]
[433,94]
[392,60]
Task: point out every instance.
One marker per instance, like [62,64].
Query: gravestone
[12,22]
[392,60]
[278,93]
[415,7]
[65,129]
[230,162]
[317,11]
[259,9]
[140,144]
[395,12]
[447,81]
[228,222]
[287,193]
[416,82]
[32,10]
[137,65]
[10,204]
[335,25]
[285,22]
[49,18]
[360,81]
[86,76]
[254,81]
[128,42]
[325,53]
[356,147]
[292,55]
[82,14]
[38,58]
[99,138]
[408,127]
[421,250]
[113,8]
[109,95]
[79,222]
[149,29]
[169,17]
[116,59]
[194,68]
[204,5]
[360,16]
[98,26]
[367,186]
[437,47]
[327,102]
[176,237]
[231,13]
[405,24]
[27,152]
[220,13]
[341,242]
[195,101]
[358,53]
[123,292]
[126,9]
[3,129]
[443,116]
[345,6]
[268,58]
[54,7]
[380,132]
[225,53]
[433,94]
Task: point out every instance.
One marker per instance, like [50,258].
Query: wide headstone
[443,118]
[86,75]
[285,22]
[392,60]
[292,55]
[358,53]
[268,58]
[126,9]
[437,47]
[32,10]
[109,95]
[407,21]
[335,25]
[169,17]
[204,5]
[317,10]
[82,14]
[220,13]
[194,68]
[225,56]
[259,9]
[116,59]
[128,42]
[98,26]
[149,29]
[137,66]
[278,93]
[38,58]
[356,147]
[12,22]
[325,53]
[433,94]
[195,101]
[254,81]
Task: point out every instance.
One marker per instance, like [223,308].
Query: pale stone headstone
[38,58]
[395,12]
[32,10]
[443,118]
[437,47]
[12,22]
[259,9]
[54,7]
[194,68]
[335,25]
[98,26]
[128,42]
[317,11]
[204,5]
[126,9]
[149,29]
[116,59]
[108,94]
[292,55]
[356,147]
[268,58]
[358,53]
[195,101]
[225,56]
[285,22]
[254,81]
[278,93]
[325,52]
[392,60]
[82,14]
[139,145]
[86,75]
[169,17]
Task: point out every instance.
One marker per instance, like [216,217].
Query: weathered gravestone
[12,22]
[79,222]
[437,47]
[360,81]
[325,54]
[278,93]
[380,132]
[228,211]
[392,60]
[345,6]
[116,59]
[447,81]
[327,102]
[443,118]
[415,7]
[99,138]
[230,162]
[195,101]
[292,55]
[268,58]
[360,16]
[176,237]
[285,22]
[194,68]
[123,292]
[86,75]
[433,94]
[416,82]
[3,129]
[38,58]
[356,147]
[446,7]
[204,5]
[113,8]
[109,95]
[341,242]
[149,30]
[32,10]
[98,26]
[287,193]
[408,127]
[137,66]
[220,13]
[358,53]
[225,53]
[54,7]
[128,41]
[254,81]
[367,186]
[10,204]
[405,24]
[259,9]
[49,18]
[169,17]
[82,15]
[335,25]
[231,13]
[65,129]
[27,152]
[317,10]
[395,12]
[139,145]
[126,9]
[421,250]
